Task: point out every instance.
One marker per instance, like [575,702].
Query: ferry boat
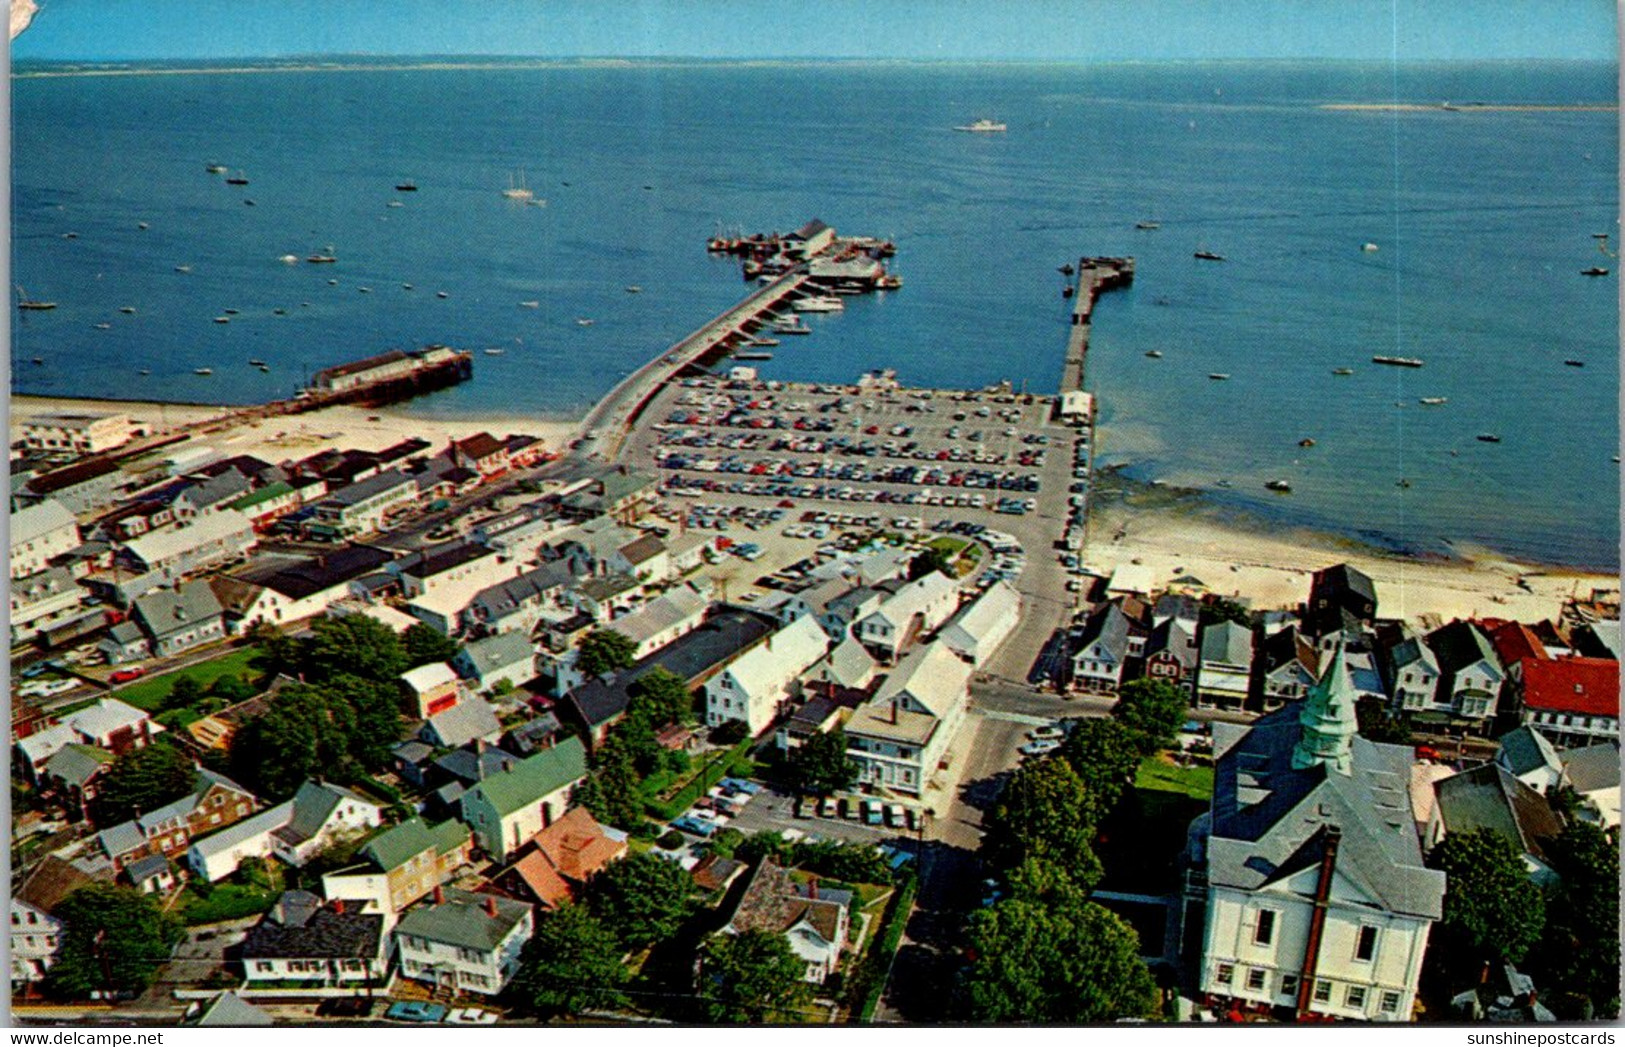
[1433,401]
[818,304]
[1208,256]
[1397,361]
[983,126]
[1279,485]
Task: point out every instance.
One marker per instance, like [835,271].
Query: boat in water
[1208,256]
[516,188]
[1489,438]
[1368,247]
[394,203]
[754,354]
[983,126]
[582,321]
[531,305]
[222,319]
[441,294]
[406,187]
[104,326]
[289,259]
[183,268]
[633,289]
[1574,363]
[1148,225]
[1433,401]
[256,363]
[321,259]
[818,304]
[1218,376]
[494,352]
[237,179]
[216,169]
[764,343]
[1279,485]
[32,304]
[1342,371]
[205,371]
[1155,354]
[1595,270]
[1397,361]
[789,325]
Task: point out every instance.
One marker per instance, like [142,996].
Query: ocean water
[1483,221]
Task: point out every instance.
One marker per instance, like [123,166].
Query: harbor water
[1454,234]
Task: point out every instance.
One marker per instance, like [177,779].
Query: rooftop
[464,920]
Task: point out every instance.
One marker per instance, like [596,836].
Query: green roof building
[507,809]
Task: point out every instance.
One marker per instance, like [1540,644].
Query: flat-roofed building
[77,433]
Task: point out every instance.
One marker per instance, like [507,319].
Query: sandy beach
[1273,570]
[300,435]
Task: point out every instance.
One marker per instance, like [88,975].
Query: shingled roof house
[813,919]
[302,939]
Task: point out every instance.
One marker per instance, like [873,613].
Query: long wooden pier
[1095,277]
[606,426]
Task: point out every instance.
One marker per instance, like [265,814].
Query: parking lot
[768,459]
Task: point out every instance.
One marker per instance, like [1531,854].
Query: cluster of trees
[1566,937]
[603,651]
[143,780]
[847,862]
[343,717]
[1045,952]
[114,939]
[187,693]
[820,765]
[613,792]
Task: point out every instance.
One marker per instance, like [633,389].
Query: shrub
[670,841]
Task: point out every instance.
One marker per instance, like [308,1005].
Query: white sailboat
[516,189]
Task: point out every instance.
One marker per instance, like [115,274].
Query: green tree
[424,644]
[821,766]
[1104,754]
[603,651]
[1492,912]
[297,739]
[1377,724]
[143,780]
[112,938]
[372,717]
[1579,949]
[752,978]
[1218,609]
[641,898]
[1153,709]
[279,653]
[932,559]
[1045,812]
[660,697]
[353,644]
[183,693]
[232,689]
[572,964]
[610,792]
[1064,961]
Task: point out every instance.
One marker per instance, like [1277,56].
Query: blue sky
[924,29]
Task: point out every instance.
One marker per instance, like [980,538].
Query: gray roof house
[505,656]
[179,619]
[471,719]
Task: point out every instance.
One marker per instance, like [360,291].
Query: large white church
[1306,875]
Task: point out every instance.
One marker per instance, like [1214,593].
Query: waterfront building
[39,533]
[77,433]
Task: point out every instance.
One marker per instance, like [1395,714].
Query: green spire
[1327,719]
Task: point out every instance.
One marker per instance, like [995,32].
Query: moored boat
[1208,256]
[1397,361]
[1433,401]
[1342,371]
[818,304]
[1489,438]
[1279,485]
[982,126]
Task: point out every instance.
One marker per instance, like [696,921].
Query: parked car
[415,1011]
[1039,748]
[126,675]
[346,1007]
[470,1016]
[1043,733]
[827,807]
[871,812]
[895,816]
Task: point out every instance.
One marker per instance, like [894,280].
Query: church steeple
[1327,718]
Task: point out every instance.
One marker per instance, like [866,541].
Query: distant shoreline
[1466,107]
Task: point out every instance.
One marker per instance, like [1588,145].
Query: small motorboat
[127,310]
[289,259]
[1433,401]
[205,371]
[1342,371]
[222,319]
[183,268]
[531,305]
[214,169]
[441,294]
[364,290]
[104,326]
[321,259]
[229,312]
[279,312]
[633,289]
[582,321]
[145,371]
[142,225]
[406,187]
[1148,225]
[1279,485]
[1368,247]
[1489,438]
[1155,354]
[237,179]
[1208,256]
[1574,363]
[394,203]
[1306,442]
[1595,270]
[1066,270]
[494,352]
[1218,376]
[256,363]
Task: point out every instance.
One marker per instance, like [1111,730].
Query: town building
[168,831]
[430,689]
[319,946]
[35,932]
[173,552]
[812,918]
[40,533]
[1488,797]
[1226,666]
[1470,676]
[109,724]
[401,865]
[179,619]
[507,809]
[918,608]
[899,736]
[663,619]
[1305,877]
[43,600]
[318,816]
[560,859]
[363,507]
[76,433]
[505,656]
[1572,701]
[1114,635]
[978,630]
[464,942]
[757,685]
[1340,598]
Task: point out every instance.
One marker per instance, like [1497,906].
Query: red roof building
[1573,701]
[1514,641]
